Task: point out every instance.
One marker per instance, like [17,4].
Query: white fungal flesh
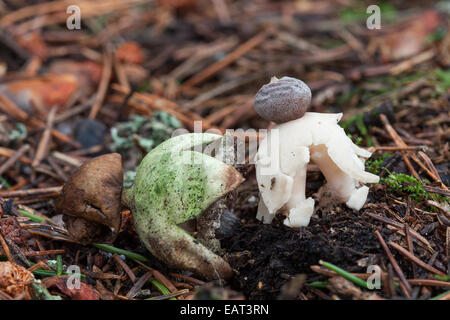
[281,166]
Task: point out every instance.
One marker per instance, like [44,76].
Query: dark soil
[277,252]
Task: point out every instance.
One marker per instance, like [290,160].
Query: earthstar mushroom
[283,156]
[175,184]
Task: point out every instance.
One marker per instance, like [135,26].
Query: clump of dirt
[265,255]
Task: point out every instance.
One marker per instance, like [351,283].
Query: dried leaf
[84,292]
[410,39]
[87,72]
[41,93]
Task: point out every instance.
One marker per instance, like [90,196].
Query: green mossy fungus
[175,183]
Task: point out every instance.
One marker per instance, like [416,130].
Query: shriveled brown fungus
[90,200]
[15,280]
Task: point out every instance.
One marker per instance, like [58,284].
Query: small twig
[401,226]
[6,248]
[410,248]
[125,267]
[103,86]
[432,168]
[44,253]
[161,278]
[5,152]
[121,74]
[400,143]
[67,159]
[429,282]
[43,146]
[415,60]
[12,160]
[187,279]
[183,285]
[171,295]
[139,284]
[405,285]
[51,191]
[75,110]
[230,58]
[392,148]
[39,265]
[447,244]
[414,259]
[425,168]
[437,190]
[59,171]
[88,151]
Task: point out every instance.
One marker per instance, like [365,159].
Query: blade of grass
[169,296]
[4,183]
[33,217]
[440,295]
[344,274]
[442,278]
[49,273]
[161,288]
[126,253]
[319,284]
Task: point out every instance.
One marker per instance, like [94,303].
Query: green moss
[357,122]
[406,184]
[443,77]
[374,164]
[403,183]
[437,35]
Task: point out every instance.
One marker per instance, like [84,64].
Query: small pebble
[90,133]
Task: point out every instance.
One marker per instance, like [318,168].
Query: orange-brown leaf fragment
[41,93]
[130,52]
[34,44]
[87,72]
[84,292]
